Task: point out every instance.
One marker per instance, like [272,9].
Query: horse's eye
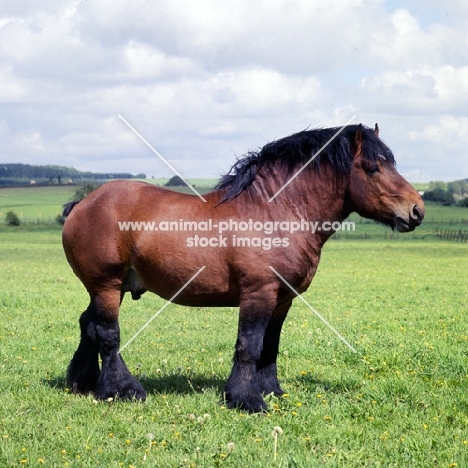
[373,169]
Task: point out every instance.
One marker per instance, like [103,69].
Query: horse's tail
[68,207]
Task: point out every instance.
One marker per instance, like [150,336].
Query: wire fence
[40,220]
[452,235]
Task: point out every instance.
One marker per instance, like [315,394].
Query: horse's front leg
[115,380]
[266,368]
[242,387]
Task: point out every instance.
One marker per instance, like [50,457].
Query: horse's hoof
[82,386]
[253,403]
[276,390]
[273,393]
[131,391]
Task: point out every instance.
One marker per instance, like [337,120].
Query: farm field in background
[401,401]
[35,202]
[42,205]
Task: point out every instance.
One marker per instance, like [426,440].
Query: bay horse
[355,172]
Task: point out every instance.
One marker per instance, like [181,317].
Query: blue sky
[206,81]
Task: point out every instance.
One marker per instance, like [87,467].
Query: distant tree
[43,174]
[80,193]
[83,191]
[12,219]
[463,202]
[439,196]
[60,219]
[176,181]
[441,192]
[437,185]
[458,187]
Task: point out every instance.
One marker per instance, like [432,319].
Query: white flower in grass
[276,431]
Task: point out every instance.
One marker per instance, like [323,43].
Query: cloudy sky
[205,81]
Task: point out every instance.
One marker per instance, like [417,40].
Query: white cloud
[206,81]
[12,89]
[447,133]
[143,62]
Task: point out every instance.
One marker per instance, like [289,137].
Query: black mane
[293,151]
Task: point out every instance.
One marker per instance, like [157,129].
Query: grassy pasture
[401,401]
[35,202]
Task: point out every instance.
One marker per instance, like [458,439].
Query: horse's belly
[187,283]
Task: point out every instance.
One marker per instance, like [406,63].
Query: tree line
[448,193]
[20,174]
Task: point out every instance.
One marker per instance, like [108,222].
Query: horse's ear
[376,130]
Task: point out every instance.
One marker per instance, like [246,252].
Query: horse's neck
[326,196]
[312,195]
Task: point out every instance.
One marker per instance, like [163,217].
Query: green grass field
[34,202]
[402,401]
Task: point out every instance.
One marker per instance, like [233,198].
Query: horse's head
[377,191]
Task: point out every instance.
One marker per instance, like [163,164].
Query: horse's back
[114,203]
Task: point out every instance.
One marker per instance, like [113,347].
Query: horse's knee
[108,337]
[250,338]
[248,349]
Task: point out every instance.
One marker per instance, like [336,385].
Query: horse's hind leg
[115,380]
[83,371]
[100,334]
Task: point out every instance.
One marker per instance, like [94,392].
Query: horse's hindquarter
[96,248]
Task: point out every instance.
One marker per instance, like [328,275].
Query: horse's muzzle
[415,218]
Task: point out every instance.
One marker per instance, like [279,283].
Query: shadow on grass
[183,384]
[56,383]
[339,386]
[174,383]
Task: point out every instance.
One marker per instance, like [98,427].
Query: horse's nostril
[417,214]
